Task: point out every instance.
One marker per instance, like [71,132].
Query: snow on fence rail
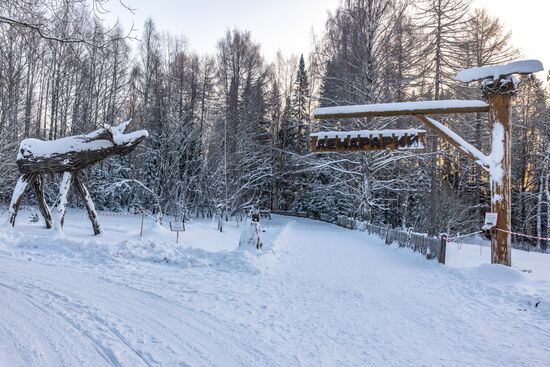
[430,247]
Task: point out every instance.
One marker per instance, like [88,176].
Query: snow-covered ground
[317,295]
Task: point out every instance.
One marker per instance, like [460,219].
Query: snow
[497,155]
[250,238]
[497,72]
[46,148]
[315,295]
[18,190]
[399,106]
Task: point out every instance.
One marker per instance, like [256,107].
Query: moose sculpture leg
[85,195]
[61,205]
[38,185]
[17,196]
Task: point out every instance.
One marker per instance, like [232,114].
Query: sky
[287,25]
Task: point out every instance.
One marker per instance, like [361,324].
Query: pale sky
[286,25]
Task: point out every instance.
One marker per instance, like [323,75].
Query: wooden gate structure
[498,86]
[68,156]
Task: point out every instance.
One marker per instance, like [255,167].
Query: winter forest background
[231,128]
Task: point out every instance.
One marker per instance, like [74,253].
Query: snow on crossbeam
[401,109]
[497,72]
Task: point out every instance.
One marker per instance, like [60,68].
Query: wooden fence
[430,247]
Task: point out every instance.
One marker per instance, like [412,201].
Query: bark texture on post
[499,96]
[38,185]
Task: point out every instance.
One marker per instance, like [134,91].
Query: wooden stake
[142,218]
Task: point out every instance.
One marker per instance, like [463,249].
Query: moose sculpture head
[69,156]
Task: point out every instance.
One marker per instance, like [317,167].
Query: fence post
[442,249]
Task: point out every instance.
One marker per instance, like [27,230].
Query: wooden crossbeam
[402,109]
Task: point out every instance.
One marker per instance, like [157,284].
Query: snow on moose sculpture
[68,156]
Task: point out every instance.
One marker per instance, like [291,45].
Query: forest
[230,129]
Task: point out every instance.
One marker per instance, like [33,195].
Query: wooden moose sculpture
[68,156]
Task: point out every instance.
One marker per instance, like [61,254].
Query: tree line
[230,129]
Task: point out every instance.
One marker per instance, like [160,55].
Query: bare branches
[67,22]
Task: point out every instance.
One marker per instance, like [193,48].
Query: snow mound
[496,273]
[162,252]
[96,251]
[272,254]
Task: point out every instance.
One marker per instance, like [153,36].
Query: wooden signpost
[498,85]
[177,226]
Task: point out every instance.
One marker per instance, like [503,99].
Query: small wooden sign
[177,227]
[490,220]
[365,140]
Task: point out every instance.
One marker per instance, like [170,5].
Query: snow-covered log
[497,72]
[76,152]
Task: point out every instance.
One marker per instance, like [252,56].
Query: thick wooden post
[499,96]
[442,249]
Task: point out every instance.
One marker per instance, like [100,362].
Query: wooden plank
[402,109]
[473,153]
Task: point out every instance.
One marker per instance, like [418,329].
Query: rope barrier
[524,235]
[449,239]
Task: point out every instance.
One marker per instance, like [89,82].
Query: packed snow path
[318,295]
